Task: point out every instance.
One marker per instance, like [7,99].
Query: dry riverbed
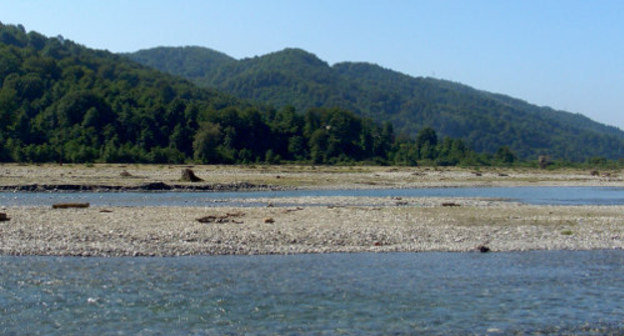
[423,225]
[295,176]
[308,225]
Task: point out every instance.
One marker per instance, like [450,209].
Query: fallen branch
[227,218]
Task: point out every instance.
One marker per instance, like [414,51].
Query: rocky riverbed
[307,225]
[357,224]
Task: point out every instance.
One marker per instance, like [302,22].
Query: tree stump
[189,176]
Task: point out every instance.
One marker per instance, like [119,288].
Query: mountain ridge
[486,120]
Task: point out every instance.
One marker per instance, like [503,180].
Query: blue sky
[565,54]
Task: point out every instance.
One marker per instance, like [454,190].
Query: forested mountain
[60,101]
[486,121]
[190,62]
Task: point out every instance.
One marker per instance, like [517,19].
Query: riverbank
[115,177]
[357,224]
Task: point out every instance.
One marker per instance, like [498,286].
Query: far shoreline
[151,177]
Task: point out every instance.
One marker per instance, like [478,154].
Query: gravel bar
[357,224]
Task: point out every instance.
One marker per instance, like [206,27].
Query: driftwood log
[227,218]
[189,176]
[70,205]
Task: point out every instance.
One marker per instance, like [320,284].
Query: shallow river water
[551,292]
[528,195]
[540,292]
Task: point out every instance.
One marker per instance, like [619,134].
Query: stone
[3,217]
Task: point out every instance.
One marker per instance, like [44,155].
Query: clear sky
[566,54]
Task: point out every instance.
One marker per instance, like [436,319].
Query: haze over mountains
[486,121]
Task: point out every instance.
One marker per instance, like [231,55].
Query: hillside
[60,101]
[486,121]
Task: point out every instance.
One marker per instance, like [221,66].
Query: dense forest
[485,121]
[60,101]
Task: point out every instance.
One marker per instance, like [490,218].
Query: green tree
[426,142]
[205,143]
[504,155]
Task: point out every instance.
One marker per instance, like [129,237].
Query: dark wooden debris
[227,218]
[70,205]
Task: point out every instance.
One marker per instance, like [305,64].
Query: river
[558,292]
[527,195]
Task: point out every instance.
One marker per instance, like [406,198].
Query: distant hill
[485,120]
[63,102]
[190,62]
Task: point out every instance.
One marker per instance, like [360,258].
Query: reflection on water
[558,292]
[528,195]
